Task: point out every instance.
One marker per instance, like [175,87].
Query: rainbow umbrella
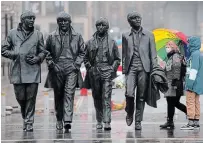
[162,36]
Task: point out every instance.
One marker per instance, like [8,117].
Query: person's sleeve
[117,59]
[41,48]
[6,47]
[193,71]
[153,52]
[81,53]
[49,58]
[176,66]
[124,48]
[86,57]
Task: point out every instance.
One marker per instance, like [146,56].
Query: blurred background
[183,16]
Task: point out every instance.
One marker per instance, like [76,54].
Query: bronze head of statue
[134,19]
[64,21]
[27,19]
[102,26]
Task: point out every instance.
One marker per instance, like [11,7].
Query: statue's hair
[102,20]
[133,14]
[27,13]
[64,15]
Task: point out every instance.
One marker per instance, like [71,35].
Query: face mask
[168,50]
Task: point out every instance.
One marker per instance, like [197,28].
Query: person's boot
[196,123]
[99,125]
[168,125]
[107,126]
[29,128]
[59,125]
[189,126]
[129,119]
[67,126]
[138,126]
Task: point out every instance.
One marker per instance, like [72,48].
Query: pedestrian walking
[194,83]
[174,72]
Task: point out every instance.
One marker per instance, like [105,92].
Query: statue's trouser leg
[26,96]
[19,90]
[69,91]
[106,95]
[142,82]
[96,84]
[131,83]
[58,98]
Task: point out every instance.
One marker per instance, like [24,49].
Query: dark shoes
[67,126]
[59,125]
[138,126]
[29,128]
[196,124]
[99,125]
[107,126]
[168,125]
[24,126]
[189,126]
[129,119]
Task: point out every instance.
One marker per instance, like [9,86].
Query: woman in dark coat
[175,83]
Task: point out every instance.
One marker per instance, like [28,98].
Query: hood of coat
[194,44]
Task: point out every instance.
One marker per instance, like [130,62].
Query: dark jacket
[147,50]
[173,74]
[90,55]
[157,82]
[53,46]
[18,48]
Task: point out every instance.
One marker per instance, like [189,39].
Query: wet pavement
[84,127]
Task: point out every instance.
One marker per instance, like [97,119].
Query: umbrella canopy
[163,36]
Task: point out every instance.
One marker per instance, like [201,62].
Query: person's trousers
[173,102]
[26,96]
[139,79]
[101,92]
[64,91]
[193,105]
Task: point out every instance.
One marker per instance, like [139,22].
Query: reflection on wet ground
[84,131]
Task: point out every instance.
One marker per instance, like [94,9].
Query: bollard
[119,68]
[90,110]
[46,103]
[3,105]
[83,91]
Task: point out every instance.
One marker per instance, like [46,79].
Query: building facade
[47,11]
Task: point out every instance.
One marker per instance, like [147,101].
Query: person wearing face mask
[66,49]
[175,83]
[101,61]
